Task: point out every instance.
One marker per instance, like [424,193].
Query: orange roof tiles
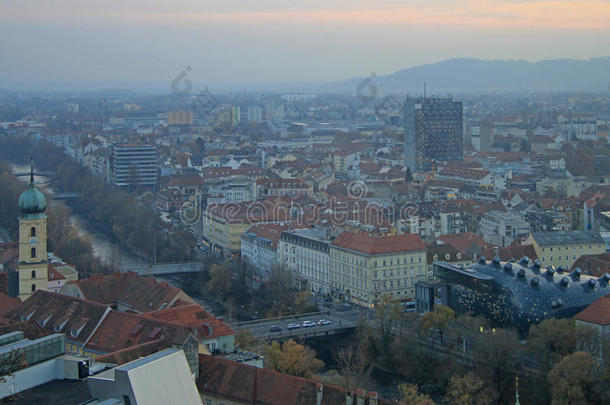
[142,294]
[370,245]
[597,313]
[242,383]
[194,317]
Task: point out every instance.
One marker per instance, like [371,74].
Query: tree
[494,354]
[302,303]
[571,379]
[409,395]
[15,360]
[387,315]
[244,339]
[293,358]
[554,338]
[282,291]
[468,390]
[219,283]
[354,368]
[435,322]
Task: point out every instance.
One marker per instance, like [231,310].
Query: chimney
[319,392]
[372,398]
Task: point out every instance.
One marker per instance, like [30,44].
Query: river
[103,245]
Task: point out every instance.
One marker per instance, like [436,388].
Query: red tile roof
[597,313]
[232,381]
[273,232]
[595,265]
[194,317]
[54,274]
[31,330]
[7,304]
[60,314]
[141,294]
[387,244]
[132,353]
[122,329]
[463,241]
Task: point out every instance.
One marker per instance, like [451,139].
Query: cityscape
[290,228]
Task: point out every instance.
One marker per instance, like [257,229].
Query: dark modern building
[433,132]
[134,165]
[511,293]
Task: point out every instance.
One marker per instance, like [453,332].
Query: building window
[33,231]
[33,252]
[33,273]
[33,287]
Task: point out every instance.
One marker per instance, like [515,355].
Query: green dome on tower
[32,201]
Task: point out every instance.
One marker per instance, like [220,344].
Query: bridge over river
[161,269]
[261,328]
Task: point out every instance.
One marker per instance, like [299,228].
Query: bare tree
[354,369]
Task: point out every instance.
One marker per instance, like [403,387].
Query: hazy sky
[229,41]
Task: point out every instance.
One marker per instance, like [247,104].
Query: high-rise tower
[32,267]
[433,132]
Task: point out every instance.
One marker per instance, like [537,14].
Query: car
[308,324]
[322,322]
[294,326]
[275,328]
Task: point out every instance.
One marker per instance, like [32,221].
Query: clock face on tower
[33,241]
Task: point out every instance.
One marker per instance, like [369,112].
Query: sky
[274,41]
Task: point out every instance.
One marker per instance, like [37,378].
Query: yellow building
[363,268]
[32,267]
[224,224]
[563,248]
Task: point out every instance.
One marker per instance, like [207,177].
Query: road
[339,321]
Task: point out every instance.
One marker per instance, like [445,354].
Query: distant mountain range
[448,76]
[477,75]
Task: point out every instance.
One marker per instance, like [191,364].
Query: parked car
[294,326]
[308,324]
[275,328]
[322,322]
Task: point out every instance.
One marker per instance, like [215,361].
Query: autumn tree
[435,322]
[553,339]
[571,379]
[468,390]
[219,282]
[293,358]
[244,339]
[409,395]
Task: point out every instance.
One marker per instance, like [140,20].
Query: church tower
[32,267]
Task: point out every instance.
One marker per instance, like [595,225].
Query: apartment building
[134,165]
[502,228]
[363,268]
[564,248]
[259,248]
[306,253]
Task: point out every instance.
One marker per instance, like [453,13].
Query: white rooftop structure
[159,379]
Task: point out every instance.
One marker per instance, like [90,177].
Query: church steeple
[32,268]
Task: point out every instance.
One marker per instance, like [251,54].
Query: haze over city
[279,202]
[127,43]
